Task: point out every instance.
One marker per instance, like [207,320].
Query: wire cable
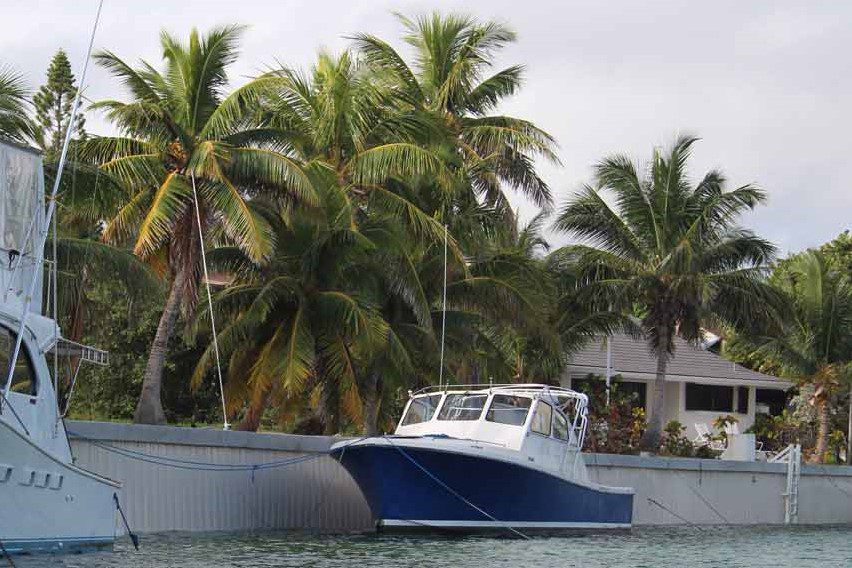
[226,426]
[179,463]
[443,314]
[39,249]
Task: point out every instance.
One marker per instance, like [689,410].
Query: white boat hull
[50,506]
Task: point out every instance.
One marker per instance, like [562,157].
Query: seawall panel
[319,495]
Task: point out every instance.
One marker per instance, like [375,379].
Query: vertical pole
[849,431]
[608,367]
[443,314]
[55,273]
[42,238]
[225,426]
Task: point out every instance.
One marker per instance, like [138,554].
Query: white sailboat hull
[50,506]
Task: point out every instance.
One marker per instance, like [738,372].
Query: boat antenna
[225,426]
[443,314]
[51,208]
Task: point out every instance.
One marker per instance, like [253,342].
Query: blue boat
[475,458]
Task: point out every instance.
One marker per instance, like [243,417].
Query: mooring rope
[706,502]
[827,476]
[453,492]
[178,463]
[672,513]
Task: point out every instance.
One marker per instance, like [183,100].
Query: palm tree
[182,136]
[307,321]
[449,81]
[814,348]
[358,146]
[15,123]
[669,253]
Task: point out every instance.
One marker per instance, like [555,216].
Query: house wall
[319,495]
[676,405]
[690,418]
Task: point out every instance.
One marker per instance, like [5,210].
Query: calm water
[723,547]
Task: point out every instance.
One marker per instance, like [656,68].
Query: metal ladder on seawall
[792,456]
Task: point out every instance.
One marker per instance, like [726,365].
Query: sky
[765,84]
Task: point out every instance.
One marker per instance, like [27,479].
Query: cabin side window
[508,409]
[560,427]
[542,418]
[421,409]
[462,407]
[24,377]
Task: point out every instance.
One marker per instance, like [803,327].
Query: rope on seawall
[672,513]
[178,463]
[705,501]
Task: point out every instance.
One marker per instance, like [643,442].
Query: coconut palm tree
[182,135]
[306,321]
[15,123]
[451,80]
[358,146]
[814,348]
[668,252]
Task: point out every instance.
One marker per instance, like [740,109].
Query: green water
[723,547]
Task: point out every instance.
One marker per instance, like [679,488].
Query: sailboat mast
[51,209]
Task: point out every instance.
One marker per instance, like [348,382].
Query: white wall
[320,495]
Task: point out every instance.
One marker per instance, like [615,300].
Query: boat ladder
[792,456]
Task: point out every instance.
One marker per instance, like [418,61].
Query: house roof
[632,358]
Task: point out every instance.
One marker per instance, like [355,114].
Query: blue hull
[401,495]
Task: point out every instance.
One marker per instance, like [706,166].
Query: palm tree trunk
[371,395]
[251,421]
[329,399]
[149,409]
[656,418]
[822,431]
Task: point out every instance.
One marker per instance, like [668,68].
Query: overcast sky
[767,85]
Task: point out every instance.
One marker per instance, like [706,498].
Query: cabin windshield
[508,409]
[463,407]
[421,409]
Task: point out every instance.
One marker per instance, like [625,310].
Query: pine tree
[53,103]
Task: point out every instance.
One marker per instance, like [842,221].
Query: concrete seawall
[318,494]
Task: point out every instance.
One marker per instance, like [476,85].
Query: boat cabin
[502,415]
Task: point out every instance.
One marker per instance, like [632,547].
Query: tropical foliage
[336,204]
[188,159]
[15,124]
[815,348]
[669,253]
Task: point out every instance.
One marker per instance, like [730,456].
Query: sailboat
[47,503]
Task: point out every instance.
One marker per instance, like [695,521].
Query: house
[701,385]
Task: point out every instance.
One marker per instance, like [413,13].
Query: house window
[713,398]
[772,399]
[742,400]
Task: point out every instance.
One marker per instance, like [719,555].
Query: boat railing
[529,387]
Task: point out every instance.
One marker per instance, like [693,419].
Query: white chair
[705,438]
